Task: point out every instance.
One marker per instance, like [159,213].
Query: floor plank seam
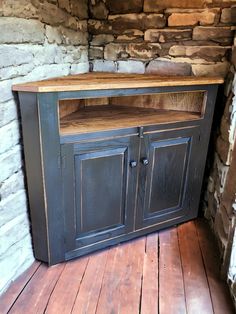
[82,277]
[50,294]
[100,290]
[141,288]
[23,288]
[204,265]
[185,300]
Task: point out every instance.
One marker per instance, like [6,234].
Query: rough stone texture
[124,6]
[168,68]
[130,67]
[19,8]
[215,69]
[165,35]
[104,66]
[101,40]
[79,8]
[98,10]
[130,35]
[191,19]
[15,30]
[156,5]
[221,35]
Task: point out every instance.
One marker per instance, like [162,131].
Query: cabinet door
[168,177]
[99,190]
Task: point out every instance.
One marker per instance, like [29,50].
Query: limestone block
[9,135]
[12,55]
[13,206]
[15,261]
[96,53]
[156,5]
[19,8]
[206,17]
[12,185]
[98,10]
[8,112]
[10,162]
[5,90]
[53,35]
[51,14]
[47,71]
[220,68]
[168,68]
[130,35]
[79,8]
[102,39]
[211,53]
[166,35]
[124,6]
[130,66]
[72,37]
[18,30]
[79,68]
[222,35]
[15,71]
[104,66]
[141,21]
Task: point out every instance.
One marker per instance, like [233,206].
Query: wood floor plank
[198,299]
[131,282]
[8,298]
[149,302]
[36,294]
[88,295]
[63,296]
[219,290]
[171,285]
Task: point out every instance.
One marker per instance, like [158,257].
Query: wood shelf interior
[99,114]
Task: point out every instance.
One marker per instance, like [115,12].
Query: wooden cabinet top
[96,81]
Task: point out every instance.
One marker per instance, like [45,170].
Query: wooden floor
[172,271]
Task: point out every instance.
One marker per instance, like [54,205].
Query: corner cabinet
[110,157]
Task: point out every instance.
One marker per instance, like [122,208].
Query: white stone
[18,30]
[47,71]
[13,231]
[10,162]
[5,90]
[8,112]
[9,135]
[79,68]
[15,71]
[13,55]
[12,206]
[131,67]
[15,261]
[53,35]
[104,66]
[12,185]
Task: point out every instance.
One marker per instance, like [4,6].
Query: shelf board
[98,81]
[103,118]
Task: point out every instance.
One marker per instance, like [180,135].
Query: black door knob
[133,164]
[145,161]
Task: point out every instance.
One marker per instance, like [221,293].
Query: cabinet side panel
[33,164]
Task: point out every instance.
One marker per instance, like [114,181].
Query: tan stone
[214,69]
[98,10]
[212,53]
[64,4]
[102,39]
[79,8]
[115,51]
[190,19]
[130,35]
[18,8]
[222,35]
[96,27]
[71,37]
[124,6]
[226,16]
[223,149]
[156,5]
[165,35]
[141,21]
[168,68]
[96,53]
[50,14]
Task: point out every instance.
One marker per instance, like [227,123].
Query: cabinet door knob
[145,161]
[133,164]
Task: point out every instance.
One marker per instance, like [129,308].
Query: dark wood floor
[172,271]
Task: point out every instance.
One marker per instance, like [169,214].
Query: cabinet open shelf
[100,118]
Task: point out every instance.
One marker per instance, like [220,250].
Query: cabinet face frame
[42,152]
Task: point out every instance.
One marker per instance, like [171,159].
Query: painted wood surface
[148,276]
[96,81]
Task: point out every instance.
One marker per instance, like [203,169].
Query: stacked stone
[168,37]
[221,193]
[38,40]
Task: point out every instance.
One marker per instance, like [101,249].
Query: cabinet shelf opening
[79,116]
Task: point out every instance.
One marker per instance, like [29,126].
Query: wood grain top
[95,81]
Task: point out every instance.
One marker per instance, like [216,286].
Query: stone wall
[168,37]
[38,40]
